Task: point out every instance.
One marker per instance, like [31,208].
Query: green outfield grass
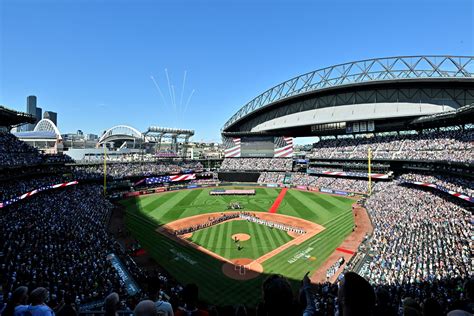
[218,239]
[145,214]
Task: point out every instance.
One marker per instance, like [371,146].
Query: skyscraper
[31,109]
[39,114]
[50,115]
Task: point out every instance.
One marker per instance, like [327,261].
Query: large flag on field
[173,178]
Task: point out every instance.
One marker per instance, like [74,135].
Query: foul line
[345,250]
[278,200]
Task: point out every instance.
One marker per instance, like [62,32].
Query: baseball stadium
[373,217]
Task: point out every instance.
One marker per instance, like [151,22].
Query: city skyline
[84,63]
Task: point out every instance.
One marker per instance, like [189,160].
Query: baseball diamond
[195,236]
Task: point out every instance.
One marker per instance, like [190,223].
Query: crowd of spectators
[15,153]
[58,240]
[56,245]
[443,145]
[271,177]
[456,184]
[352,295]
[418,236]
[334,268]
[16,186]
[259,164]
[135,169]
[342,184]
[303,179]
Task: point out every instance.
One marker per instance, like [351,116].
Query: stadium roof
[36,135]
[46,125]
[464,115]
[390,69]
[10,117]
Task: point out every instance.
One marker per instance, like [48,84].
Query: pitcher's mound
[242,269]
[241,237]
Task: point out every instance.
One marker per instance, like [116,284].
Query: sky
[94,61]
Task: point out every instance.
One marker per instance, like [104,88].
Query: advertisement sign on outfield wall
[301,187]
[330,191]
[130,194]
[174,188]
[272,185]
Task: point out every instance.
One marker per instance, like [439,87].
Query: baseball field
[230,260]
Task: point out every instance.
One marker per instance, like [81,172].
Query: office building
[52,116]
[39,114]
[31,109]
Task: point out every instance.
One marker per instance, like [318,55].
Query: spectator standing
[38,306]
[16,302]
[190,298]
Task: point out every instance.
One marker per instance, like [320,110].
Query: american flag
[232,147]
[174,178]
[283,146]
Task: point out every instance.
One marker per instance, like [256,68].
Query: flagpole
[369,154]
[105,172]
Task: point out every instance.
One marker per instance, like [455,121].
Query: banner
[173,178]
[283,147]
[130,285]
[41,189]
[301,187]
[438,187]
[349,174]
[232,147]
[139,182]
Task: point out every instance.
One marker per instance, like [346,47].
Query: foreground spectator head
[431,307]
[111,304]
[67,308]
[277,295]
[145,308]
[356,296]
[469,289]
[411,307]
[190,296]
[240,310]
[39,296]
[459,312]
[19,297]
[383,306]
